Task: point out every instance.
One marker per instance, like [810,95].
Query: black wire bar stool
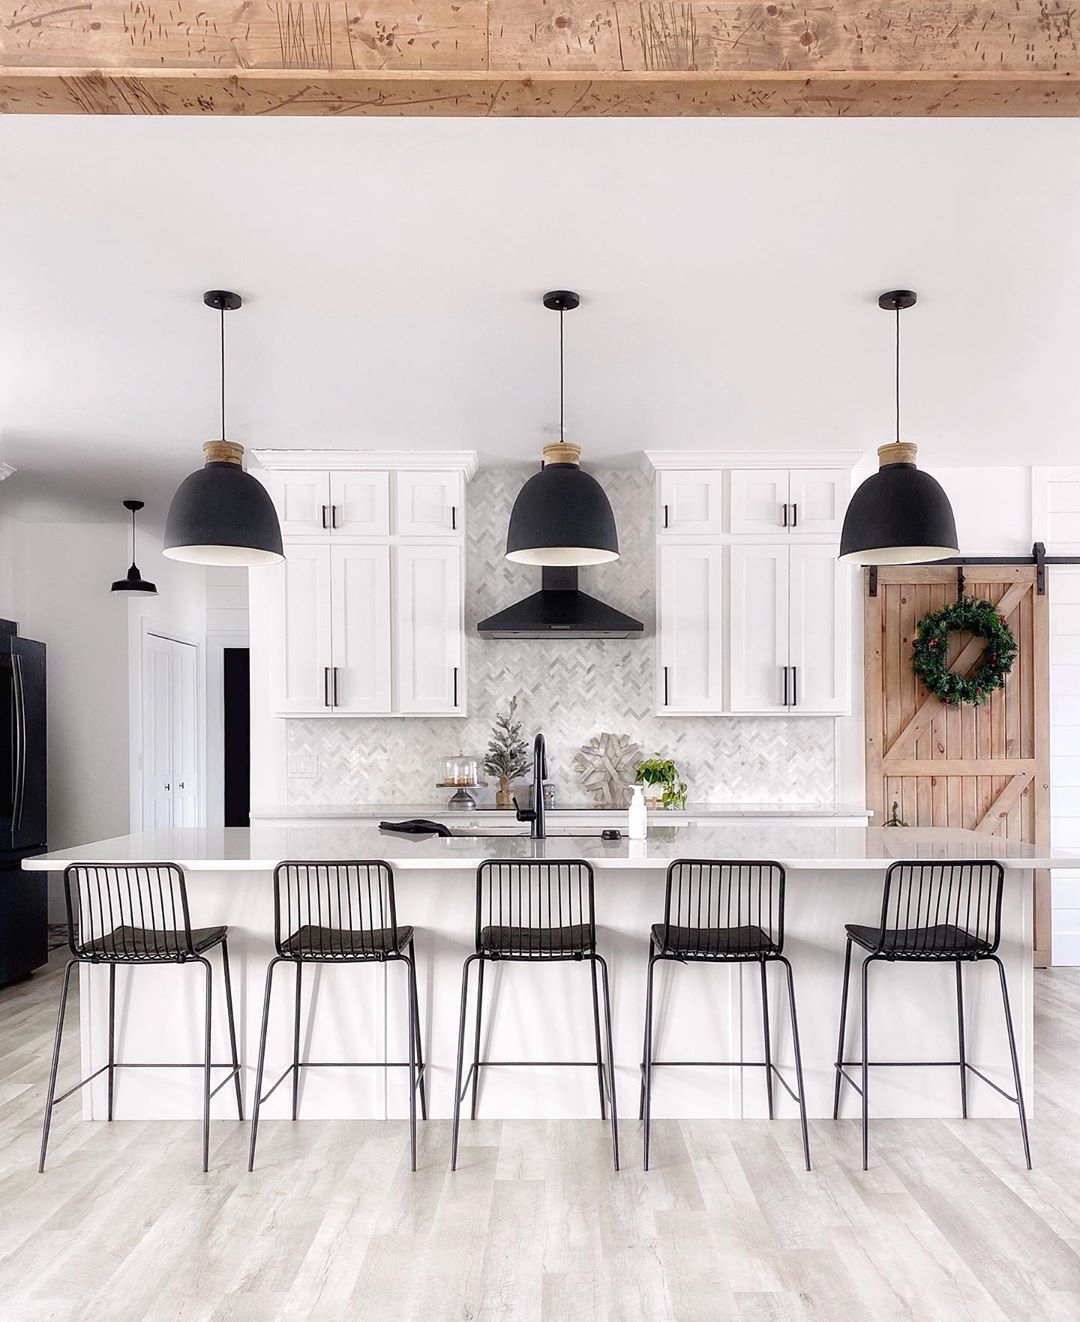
[722,912]
[338,913]
[535,912]
[942,912]
[136,914]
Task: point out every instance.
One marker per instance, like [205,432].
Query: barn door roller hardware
[1038,558]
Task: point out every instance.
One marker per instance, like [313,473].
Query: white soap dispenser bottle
[638,824]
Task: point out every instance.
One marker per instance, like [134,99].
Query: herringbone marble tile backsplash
[570,689]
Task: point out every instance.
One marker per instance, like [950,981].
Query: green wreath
[928,659]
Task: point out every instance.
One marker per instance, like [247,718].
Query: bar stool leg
[865,1061]
[257,1103]
[296,1043]
[112,1036]
[412,1064]
[47,1123]
[232,1030]
[206,1064]
[419,1042]
[599,1049]
[599,959]
[798,1060]
[843,1027]
[460,1058]
[476,1039]
[646,1108]
[1015,1061]
[960,1030]
[768,1044]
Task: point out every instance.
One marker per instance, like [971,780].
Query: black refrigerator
[24,896]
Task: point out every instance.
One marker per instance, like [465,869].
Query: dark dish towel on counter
[416,826]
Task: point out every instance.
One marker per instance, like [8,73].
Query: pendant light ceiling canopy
[221,515]
[134,581]
[900,516]
[561,515]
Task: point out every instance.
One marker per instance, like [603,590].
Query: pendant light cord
[132,536]
[223,434]
[562,381]
[898,374]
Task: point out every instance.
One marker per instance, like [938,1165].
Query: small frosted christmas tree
[507,754]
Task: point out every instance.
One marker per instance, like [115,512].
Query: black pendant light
[899,516]
[561,515]
[134,581]
[221,515]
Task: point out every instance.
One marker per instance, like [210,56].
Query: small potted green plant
[507,754]
[663,785]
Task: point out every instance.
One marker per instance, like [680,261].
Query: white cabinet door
[691,648]
[185,734]
[759,500]
[691,502]
[818,498]
[359,504]
[157,733]
[820,651]
[428,629]
[300,636]
[428,504]
[360,589]
[302,498]
[759,627]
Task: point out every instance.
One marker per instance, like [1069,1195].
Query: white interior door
[759,627]
[427,591]
[170,733]
[185,734]
[691,674]
[360,585]
[820,630]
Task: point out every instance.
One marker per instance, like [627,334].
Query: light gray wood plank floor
[535,1225]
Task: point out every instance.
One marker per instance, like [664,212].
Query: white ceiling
[392,271]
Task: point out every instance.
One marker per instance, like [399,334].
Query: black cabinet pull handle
[326,687]
[455,687]
[453,518]
[333,684]
[169,787]
[666,516]
[325,512]
[181,784]
[333,516]
[785,508]
[785,702]
[666,699]
[794,516]
[794,686]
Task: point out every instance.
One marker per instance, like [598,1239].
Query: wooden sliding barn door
[983,768]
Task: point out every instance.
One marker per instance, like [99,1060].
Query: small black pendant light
[221,515]
[899,516]
[561,515]
[134,581]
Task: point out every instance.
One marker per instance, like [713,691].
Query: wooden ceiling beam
[536,57]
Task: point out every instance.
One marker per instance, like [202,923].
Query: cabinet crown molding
[462,461]
[656,461]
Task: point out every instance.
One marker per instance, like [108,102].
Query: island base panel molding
[535,1014]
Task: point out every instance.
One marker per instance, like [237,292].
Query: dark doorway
[237,737]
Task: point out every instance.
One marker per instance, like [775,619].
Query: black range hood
[559,610]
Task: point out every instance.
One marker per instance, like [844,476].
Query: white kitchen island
[834,876]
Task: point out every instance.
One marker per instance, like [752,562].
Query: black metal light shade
[221,515]
[899,516]
[134,582]
[562,517]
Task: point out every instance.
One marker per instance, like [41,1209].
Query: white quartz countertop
[815,848]
[397,812]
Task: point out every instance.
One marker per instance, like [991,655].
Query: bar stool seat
[321,943]
[575,939]
[134,943]
[942,941]
[729,942]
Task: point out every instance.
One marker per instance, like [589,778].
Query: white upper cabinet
[302,498]
[691,629]
[359,504]
[360,593]
[817,499]
[759,627]
[691,502]
[428,628]
[759,500]
[301,652]
[820,631]
[428,504]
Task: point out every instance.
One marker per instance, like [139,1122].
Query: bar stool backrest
[931,900]
[533,894]
[341,904]
[718,895]
[127,911]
